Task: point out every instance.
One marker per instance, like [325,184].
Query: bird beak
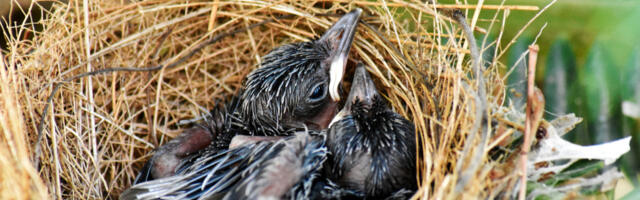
[362,89]
[340,37]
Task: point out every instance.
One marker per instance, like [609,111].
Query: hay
[100,129]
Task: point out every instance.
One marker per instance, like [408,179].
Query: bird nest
[100,128]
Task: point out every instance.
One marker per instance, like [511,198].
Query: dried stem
[480,99]
[530,127]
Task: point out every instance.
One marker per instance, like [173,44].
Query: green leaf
[610,194]
[560,84]
[532,185]
[631,127]
[575,170]
[631,77]
[559,77]
[600,83]
[633,195]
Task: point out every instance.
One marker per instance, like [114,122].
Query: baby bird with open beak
[295,89]
[373,148]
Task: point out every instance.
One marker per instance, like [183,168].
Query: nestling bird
[373,148]
[374,158]
[296,88]
[268,168]
[371,155]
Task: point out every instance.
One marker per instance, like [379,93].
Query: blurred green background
[589,63]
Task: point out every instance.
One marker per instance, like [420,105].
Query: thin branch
[150,122]
[480,104]
[529,123]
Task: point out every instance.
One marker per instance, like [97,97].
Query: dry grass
[101,128]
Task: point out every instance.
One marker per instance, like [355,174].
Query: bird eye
[318,92]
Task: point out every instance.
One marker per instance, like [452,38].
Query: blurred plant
[517,74]
[600,92]
[560,81]
[630,97]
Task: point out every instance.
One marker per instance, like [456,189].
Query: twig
[89,88]
[480,104]
[213,15]
[150,122]
[529,123]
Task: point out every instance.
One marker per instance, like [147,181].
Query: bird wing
[184,149]
[250,170]
[210,173]
[291,172]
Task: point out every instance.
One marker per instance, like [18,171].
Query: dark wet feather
[245,172]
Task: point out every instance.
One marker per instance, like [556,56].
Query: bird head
[373,147]
[297,85]
[364,103]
